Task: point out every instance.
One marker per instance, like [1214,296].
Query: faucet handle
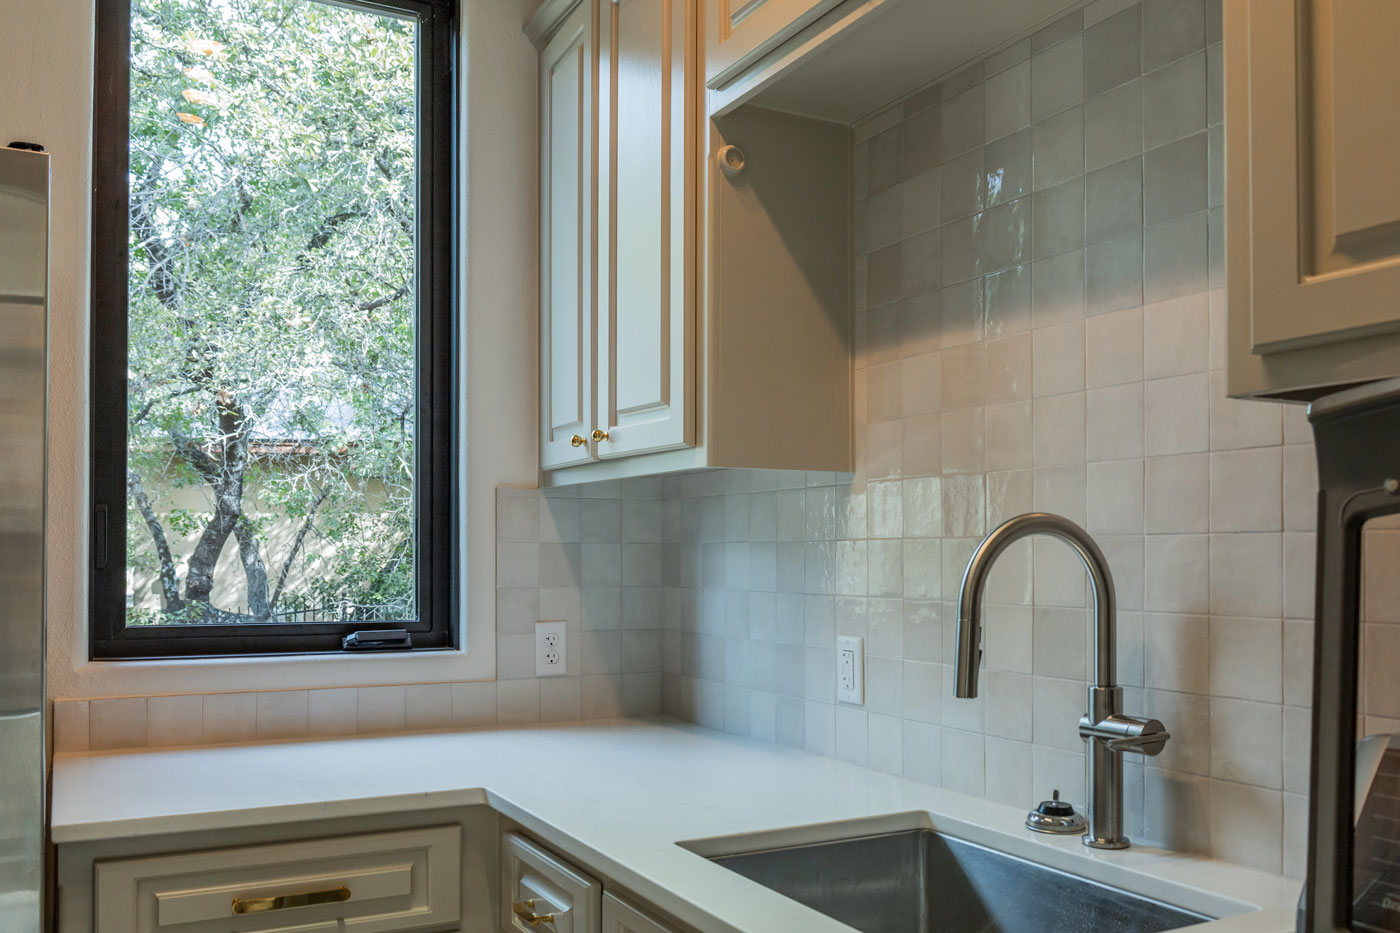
[1127,733]
[1149,744]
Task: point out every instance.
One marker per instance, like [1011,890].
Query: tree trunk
[228,505]
[169,576]
[254,570]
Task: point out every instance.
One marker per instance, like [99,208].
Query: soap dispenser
[1056,816]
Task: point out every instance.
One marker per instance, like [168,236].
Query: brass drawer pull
[526,912]
[600,435]
[257,905]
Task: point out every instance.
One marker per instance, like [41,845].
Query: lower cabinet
[394,882]
[541,891]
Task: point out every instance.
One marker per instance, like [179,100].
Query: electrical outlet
[551,649]
[850,669]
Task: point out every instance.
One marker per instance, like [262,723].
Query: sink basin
[920,881]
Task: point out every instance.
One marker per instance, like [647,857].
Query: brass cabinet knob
[599,434]
[578,440]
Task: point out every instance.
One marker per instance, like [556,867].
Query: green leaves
[271,289]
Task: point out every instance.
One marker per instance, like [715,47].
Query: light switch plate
[850,669]
[551,649]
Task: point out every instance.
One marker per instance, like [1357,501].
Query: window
[273,384]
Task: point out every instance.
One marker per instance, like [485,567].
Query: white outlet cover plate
[850,669]
[551,649]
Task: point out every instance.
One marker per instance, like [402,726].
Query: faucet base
[1103,842]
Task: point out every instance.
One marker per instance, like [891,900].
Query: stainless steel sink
[920,881]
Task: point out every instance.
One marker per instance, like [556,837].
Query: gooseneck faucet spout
[975,581]
[1104,727]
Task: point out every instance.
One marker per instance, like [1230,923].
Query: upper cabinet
[739,31]
[1312,124]
[694,276]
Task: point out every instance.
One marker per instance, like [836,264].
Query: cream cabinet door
[646,205]
[620,917]
[1313,191]
[568,69]
[739,31]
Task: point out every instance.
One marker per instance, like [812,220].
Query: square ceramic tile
[1114,348]
[1059,148]
[1112,51]
[962,122]
[117,723]
[1113,126]
[1057,289]
[1246,658]
[1246,574]
[922,141]
[1174,101]
[1174,179]
[1176,652]
[1058,359]
[1178,494]
[1113,274]
[1113,423]
[1057,78]
[331,712]
[1178,414]
[1177,336]
[1174,258]
[283,714]
[1058,430]
[1246,490]
[1178,573]
[1246,742]
[1008,302]
[1113,201]
[1058,219]
[179,720]
[1007,101]
[1171,29]
[1009,369]
[1006,166]
[1116,499]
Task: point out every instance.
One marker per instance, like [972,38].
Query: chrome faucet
[1108,732]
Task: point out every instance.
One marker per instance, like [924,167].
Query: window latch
[395,639]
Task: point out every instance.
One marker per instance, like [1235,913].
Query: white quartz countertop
[616,796]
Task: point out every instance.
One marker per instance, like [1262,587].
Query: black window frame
[435,476]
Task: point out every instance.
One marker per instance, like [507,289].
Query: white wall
[46,97]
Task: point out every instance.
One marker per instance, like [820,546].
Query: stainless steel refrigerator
[24,248]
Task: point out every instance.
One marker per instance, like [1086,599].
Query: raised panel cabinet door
[739,31]
[620,917]
[646,205]
[1319,161]
[568,141]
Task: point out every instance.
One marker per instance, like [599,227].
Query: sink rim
[1197,918]
[1064,854]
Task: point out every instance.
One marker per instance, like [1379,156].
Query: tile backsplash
[590,556]
[1039,326]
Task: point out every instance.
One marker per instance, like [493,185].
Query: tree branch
[296,548]
[146,408]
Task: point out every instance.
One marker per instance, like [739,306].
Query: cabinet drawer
[536,882]
[394,882]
